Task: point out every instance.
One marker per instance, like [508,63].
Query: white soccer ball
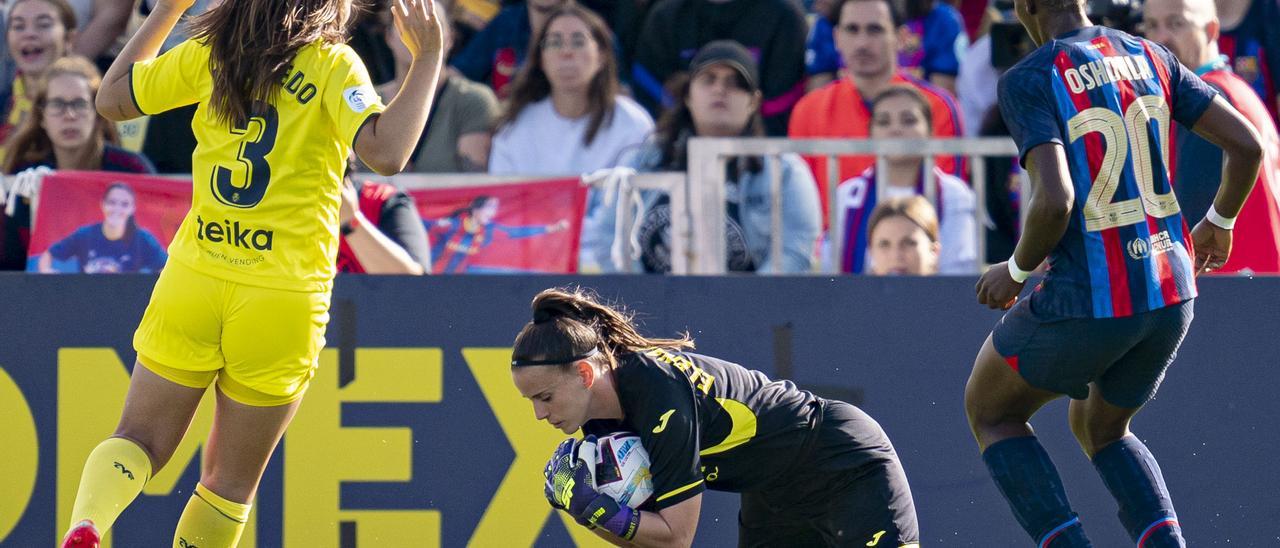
[620,466]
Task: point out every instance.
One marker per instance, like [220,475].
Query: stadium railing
[707,157]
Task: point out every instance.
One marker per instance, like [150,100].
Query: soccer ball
[620,466]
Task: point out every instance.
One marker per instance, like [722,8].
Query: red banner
[101,222]
[527,227]
[112,222]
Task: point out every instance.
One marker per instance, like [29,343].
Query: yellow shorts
[260,344]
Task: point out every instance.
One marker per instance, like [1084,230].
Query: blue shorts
[1126,357]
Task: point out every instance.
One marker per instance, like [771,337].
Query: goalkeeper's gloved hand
[570,486]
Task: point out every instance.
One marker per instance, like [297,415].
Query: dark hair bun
[544,315]
[549,305]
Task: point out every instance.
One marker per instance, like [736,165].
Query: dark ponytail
[571,323]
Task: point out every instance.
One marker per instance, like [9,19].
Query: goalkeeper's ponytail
[569,323]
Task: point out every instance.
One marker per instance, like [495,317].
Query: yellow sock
[113,476]
[210,521]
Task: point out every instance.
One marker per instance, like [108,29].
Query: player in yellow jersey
[244,299]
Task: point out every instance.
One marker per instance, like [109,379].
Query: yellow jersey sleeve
[350,99]
[174,79]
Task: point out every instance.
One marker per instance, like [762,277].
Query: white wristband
[1019,275]
[1217,219]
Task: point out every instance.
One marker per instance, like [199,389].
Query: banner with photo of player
[98,222]
[105,223]
[523,227]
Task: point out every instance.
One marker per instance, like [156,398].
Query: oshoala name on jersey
[296,85]
[230,232]
[1106,70]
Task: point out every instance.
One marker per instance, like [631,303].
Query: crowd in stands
[565,87]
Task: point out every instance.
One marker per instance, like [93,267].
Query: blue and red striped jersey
[1108,98]
[1253,47]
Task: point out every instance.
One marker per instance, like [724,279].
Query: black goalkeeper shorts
[827,504]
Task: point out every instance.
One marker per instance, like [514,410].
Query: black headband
[557,361]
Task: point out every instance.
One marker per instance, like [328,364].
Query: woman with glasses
[65,132]
[62,132]
[565,114]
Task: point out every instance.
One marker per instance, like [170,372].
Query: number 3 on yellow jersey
[247,191]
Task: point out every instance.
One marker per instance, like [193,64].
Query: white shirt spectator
[542,142]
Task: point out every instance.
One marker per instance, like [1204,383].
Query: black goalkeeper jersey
[712,424]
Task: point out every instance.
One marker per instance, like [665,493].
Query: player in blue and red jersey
[1091,111]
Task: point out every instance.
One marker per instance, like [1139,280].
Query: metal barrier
[707,157]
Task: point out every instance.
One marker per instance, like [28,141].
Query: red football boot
[83,535]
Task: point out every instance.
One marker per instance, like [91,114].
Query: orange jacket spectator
[866,36]
[840,111]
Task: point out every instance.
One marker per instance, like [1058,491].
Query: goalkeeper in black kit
[811,471]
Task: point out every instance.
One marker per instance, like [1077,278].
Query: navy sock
[1134,479]
[1026,476]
